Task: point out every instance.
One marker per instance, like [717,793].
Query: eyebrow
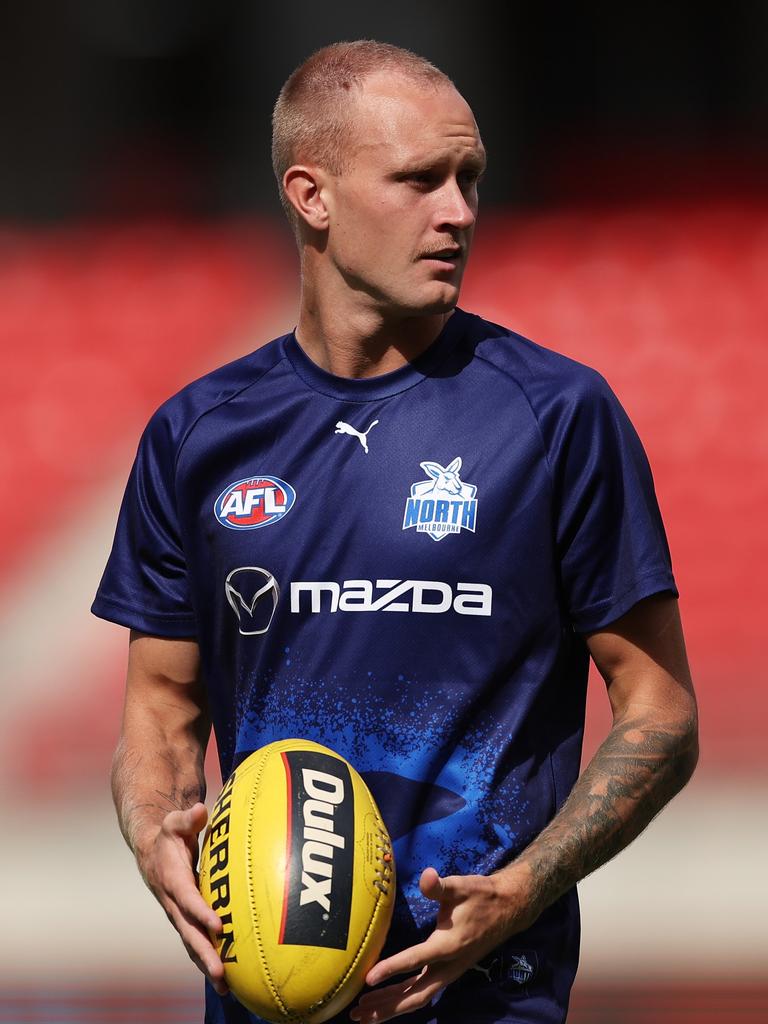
[476,161]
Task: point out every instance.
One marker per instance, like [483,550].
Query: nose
[454,209]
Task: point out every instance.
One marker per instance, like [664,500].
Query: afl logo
[254,502]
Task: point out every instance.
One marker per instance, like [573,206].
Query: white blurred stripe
[686,900]
[689,895]
[46,629]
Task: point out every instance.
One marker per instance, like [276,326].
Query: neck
[354,341]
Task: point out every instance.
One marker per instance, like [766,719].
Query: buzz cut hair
[311,121]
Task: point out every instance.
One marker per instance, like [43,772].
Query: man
[401,531]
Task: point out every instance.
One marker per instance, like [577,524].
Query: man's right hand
[167,863]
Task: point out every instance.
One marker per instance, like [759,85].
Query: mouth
[449,256]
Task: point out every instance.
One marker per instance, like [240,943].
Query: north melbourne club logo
[442,504]
[520,969]
[254,502]
[253,594]
[514,966]
[345,428]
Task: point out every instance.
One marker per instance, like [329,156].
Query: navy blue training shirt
[402,568]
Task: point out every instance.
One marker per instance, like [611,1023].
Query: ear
[455,466]
[431,469]
[303,187]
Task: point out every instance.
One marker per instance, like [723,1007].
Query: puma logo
[345,428]
[484,970]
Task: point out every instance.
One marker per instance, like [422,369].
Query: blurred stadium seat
[669,302]
[99,325]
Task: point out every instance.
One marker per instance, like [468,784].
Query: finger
[374,1006]
[370,1001]
[179,833]
[442,889]
[410,960]
[174,882]
[431,884]
[200,948]
[175,885]
[192,904]
[406,997]
[206,961]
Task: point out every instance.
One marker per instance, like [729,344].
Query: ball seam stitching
[340,984]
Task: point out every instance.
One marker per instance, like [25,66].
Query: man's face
[402,213]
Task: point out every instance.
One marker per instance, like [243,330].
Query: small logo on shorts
[442,504]
[519,969]
[506,966]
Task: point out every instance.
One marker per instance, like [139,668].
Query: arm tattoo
[635,772]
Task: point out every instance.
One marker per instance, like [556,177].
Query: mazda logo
[253,594]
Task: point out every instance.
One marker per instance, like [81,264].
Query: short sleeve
[611,542]
[145,585]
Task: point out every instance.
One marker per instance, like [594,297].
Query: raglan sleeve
[145,584]
[611,543]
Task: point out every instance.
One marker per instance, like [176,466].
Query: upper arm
[643,660]
[164,694]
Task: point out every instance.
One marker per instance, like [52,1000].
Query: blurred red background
[625,223]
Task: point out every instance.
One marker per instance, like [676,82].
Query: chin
[441,298]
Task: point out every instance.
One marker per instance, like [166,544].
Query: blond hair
[311,121]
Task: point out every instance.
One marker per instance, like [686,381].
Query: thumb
[431,885]
[189,822]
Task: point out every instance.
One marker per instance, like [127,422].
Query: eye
[469,179]
[422,179]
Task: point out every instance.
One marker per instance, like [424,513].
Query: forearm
[158,785]
[639,767]
[158,766]
[152,777]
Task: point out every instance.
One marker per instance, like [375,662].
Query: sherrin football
[297,863]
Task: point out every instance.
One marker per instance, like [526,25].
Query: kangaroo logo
[442,504]
[345,428]
[520,969]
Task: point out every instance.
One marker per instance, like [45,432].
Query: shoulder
[176,417]
[549,380]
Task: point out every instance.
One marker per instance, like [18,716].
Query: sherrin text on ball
[298,864]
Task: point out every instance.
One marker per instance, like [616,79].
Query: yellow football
[298,864]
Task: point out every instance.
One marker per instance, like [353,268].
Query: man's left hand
[476,913]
